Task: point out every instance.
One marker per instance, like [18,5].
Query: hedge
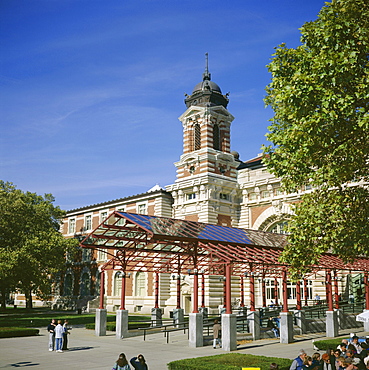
[231,361]
[17,332]
[323,345]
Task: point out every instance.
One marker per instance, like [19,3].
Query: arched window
[196,137]
[140,286]
[68,284]
[85,284]
[216,137]
[279,228]
[118,283]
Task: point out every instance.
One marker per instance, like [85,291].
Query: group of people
[138,363]
[58,335]
[349,355]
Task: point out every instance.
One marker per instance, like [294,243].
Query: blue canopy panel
[170,227]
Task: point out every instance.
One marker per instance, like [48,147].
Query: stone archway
[278,212]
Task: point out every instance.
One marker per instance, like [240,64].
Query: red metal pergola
[166,245]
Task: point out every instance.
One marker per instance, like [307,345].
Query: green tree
[32,248]
[320,133]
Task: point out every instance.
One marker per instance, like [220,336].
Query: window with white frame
[278,191]
[118,283]
[253,196]
[103,216]
[270,289]
[265,194]
[279,228]
[140,286]
[72,226]
[141,209]
[191,196]
[88,222]
[121,221]
[101,255]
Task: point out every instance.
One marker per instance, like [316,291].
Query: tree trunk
[28,294]
[3,298]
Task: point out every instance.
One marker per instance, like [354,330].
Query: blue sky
[91,90]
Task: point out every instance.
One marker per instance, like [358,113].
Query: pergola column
[229,320]
[178,313]
[254,316]
[306,292]
[276,291]
[366,287]
[263,290]
[242,311]
[286,323]
[122,314]
[340,315]
[156,312]
[331,316]
[203,309]
[299,313]
[101,313]
[196,322]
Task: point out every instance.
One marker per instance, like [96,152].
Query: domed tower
[206,185]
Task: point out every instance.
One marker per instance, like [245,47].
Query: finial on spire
[206,74]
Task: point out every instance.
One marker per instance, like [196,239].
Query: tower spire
[206,74]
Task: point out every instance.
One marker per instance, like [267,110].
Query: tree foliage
[320,132]
[31,245]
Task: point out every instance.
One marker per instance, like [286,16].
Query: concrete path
[90,352]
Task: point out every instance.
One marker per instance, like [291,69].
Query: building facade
[212,186]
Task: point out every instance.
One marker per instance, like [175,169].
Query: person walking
[139,363]
[66,332]
[121,363]
[216,334]
[59,337]
[51,331]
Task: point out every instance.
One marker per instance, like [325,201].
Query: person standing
[216,334]
[66,332]
[50,329]
[139,363]
[122,363]
[59,337]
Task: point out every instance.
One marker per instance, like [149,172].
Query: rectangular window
[224,196]
[88,222]
[191,196]
[278,191]
[265,194]
[101,255]
[103,216]
[253,196]
[141,209]
[72,226]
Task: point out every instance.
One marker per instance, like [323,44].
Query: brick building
[212,186]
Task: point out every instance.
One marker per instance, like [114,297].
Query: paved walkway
[90,352]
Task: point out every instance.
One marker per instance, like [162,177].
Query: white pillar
[100,322]
[121,327]
[229,332]
[254,324]
[286,327]
[196,330]
[331,324]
